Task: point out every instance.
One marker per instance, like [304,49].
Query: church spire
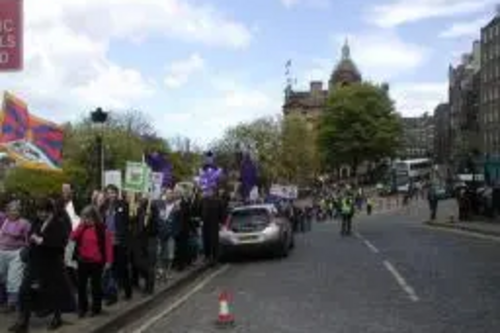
[346,51]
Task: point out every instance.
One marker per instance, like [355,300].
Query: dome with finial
[346,71]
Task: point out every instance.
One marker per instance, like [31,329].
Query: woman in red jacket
[94,254]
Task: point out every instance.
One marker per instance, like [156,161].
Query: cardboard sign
[136,177]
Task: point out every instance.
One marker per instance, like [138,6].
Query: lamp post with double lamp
[99,118]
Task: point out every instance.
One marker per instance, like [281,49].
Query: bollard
[451,219]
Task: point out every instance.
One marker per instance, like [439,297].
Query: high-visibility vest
[346,206]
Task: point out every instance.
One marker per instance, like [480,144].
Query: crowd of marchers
[58,256]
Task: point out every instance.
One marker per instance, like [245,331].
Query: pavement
[447,217]
[117,315]
[394,275]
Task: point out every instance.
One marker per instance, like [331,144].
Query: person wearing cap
[14,234]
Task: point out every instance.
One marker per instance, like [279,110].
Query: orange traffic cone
[225,317]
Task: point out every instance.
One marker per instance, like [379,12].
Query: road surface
[395,275]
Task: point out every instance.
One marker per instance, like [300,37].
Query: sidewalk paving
[483,228]
[447,217]
[118,315]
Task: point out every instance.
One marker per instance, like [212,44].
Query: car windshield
[250,216]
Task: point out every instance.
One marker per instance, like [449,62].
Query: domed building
[310,104]
[346,71]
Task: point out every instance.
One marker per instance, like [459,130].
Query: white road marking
[401,281]
[368,244]
[150,322]
[371,246]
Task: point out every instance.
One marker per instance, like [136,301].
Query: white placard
[113,177]
[156,184]
[284,191]
[254,193]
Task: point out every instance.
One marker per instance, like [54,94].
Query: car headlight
[272,230]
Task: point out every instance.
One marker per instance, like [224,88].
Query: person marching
[369,206]
[115,213]
[347,212]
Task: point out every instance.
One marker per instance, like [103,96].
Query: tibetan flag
[15,119]
[48,137]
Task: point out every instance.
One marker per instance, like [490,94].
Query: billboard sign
[11,35]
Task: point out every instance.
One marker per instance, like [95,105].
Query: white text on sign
[7,39]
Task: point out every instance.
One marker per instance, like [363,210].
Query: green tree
[34,182]
[262,136]
[359,124]
[126,137]
[298,156]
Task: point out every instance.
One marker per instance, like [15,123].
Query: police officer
[347,212]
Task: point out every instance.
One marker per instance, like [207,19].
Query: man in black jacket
[185,230]
[115,213]
[212,215]
[145,240]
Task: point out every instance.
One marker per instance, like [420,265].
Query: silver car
[256,228]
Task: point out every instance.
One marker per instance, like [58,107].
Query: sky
[196,67]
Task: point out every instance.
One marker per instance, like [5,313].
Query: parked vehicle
[256,229]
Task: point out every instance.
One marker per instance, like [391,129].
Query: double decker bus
[409,172]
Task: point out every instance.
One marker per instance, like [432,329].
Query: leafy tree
[359,124]
[126,136]
[262,137]
[298,157]
[34,182]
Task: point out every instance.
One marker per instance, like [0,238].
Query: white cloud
[179,72]
[231,104]
[67,69]
[465,28]
[384,57]
[397,12]
[380,55]
[309,3]
[414,99]
[289,3]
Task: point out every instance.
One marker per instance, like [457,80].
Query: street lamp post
[99,118]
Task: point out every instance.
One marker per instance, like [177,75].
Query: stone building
[442,134]
[463,94]
[311,103]
[490,87]
[418,137]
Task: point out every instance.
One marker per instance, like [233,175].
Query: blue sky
[196,67]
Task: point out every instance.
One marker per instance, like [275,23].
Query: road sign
[11,35]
